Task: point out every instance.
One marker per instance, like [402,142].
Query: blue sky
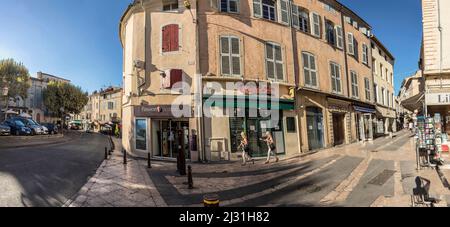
[398,24]
[78,39]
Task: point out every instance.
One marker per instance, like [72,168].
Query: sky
[78,39]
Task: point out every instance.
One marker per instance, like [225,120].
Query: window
[170,5]
[351,44]
[284,11]
[339,37]
[110,105]
[331,35]
[300,19]
[264,9]
[230,56]
[310,69]
[365,57]
[374,66]
[354,78]
[274,62]
[229,6]
[383,96]
[388,99]
[367,88]
[375,88]
[386,75]
[170,38]
[316,24]
[141,134]
[291,125]
[381,70]
[335,71]
[392,78]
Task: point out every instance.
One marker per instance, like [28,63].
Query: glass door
[314,118]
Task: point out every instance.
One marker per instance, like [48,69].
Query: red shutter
[174,45]
[166,39]
[176,75]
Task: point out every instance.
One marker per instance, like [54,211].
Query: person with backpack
[271,147]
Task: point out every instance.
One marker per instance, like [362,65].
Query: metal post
[149,162]
[124,157]
[106,153]
[190,180]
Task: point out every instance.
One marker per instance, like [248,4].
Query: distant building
[103,107]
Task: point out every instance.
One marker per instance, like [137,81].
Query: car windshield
[19,123]
[31,122]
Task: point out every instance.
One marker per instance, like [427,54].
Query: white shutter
[284,11]
[295,16]
[257,8]
[339,37]
[351,45]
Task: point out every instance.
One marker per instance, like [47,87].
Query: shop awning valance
[251,102]
[364,109]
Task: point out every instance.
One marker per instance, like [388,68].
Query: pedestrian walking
[245,150]
[271,147]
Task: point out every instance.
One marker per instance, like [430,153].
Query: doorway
[172,137]
[338,128]
[314,118]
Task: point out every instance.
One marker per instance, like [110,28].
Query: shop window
[291,125]
[274,62]
[230,56]
[141,134]
[170,38]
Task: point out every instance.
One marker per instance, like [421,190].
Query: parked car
[18,128]
[5,130]
[36,129]
[52,128]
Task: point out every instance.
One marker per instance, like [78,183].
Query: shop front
[364,116]
[160,133]
[439,103]
[339,115]
[253,115]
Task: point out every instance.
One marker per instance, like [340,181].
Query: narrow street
[47,176]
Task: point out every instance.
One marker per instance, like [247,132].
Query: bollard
[106,153]
[124,157]
[190,180]
[211,200]
[149,162]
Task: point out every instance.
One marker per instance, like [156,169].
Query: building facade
[435,58]
[312,71]
[383,74]
[103,107]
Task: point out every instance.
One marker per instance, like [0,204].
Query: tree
[16,77]
[63,98]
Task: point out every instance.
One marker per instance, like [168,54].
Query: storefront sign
[156,111]
[437,99]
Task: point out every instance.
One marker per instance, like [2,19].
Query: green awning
[251,102]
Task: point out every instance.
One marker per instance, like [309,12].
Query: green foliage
[64,98]
[16,77]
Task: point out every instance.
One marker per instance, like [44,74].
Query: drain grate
[382,178]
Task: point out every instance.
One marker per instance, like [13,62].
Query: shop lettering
[190,217]
[444,98]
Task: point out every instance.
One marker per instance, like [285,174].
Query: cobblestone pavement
[378,173]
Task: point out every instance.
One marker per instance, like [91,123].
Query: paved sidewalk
[118,185]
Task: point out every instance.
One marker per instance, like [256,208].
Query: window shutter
[295,16]
[175,46]
[214,5]
[176,75]
[166,39]
[284,11]
[356,51]
[257,6]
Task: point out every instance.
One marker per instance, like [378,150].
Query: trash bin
[211,200]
